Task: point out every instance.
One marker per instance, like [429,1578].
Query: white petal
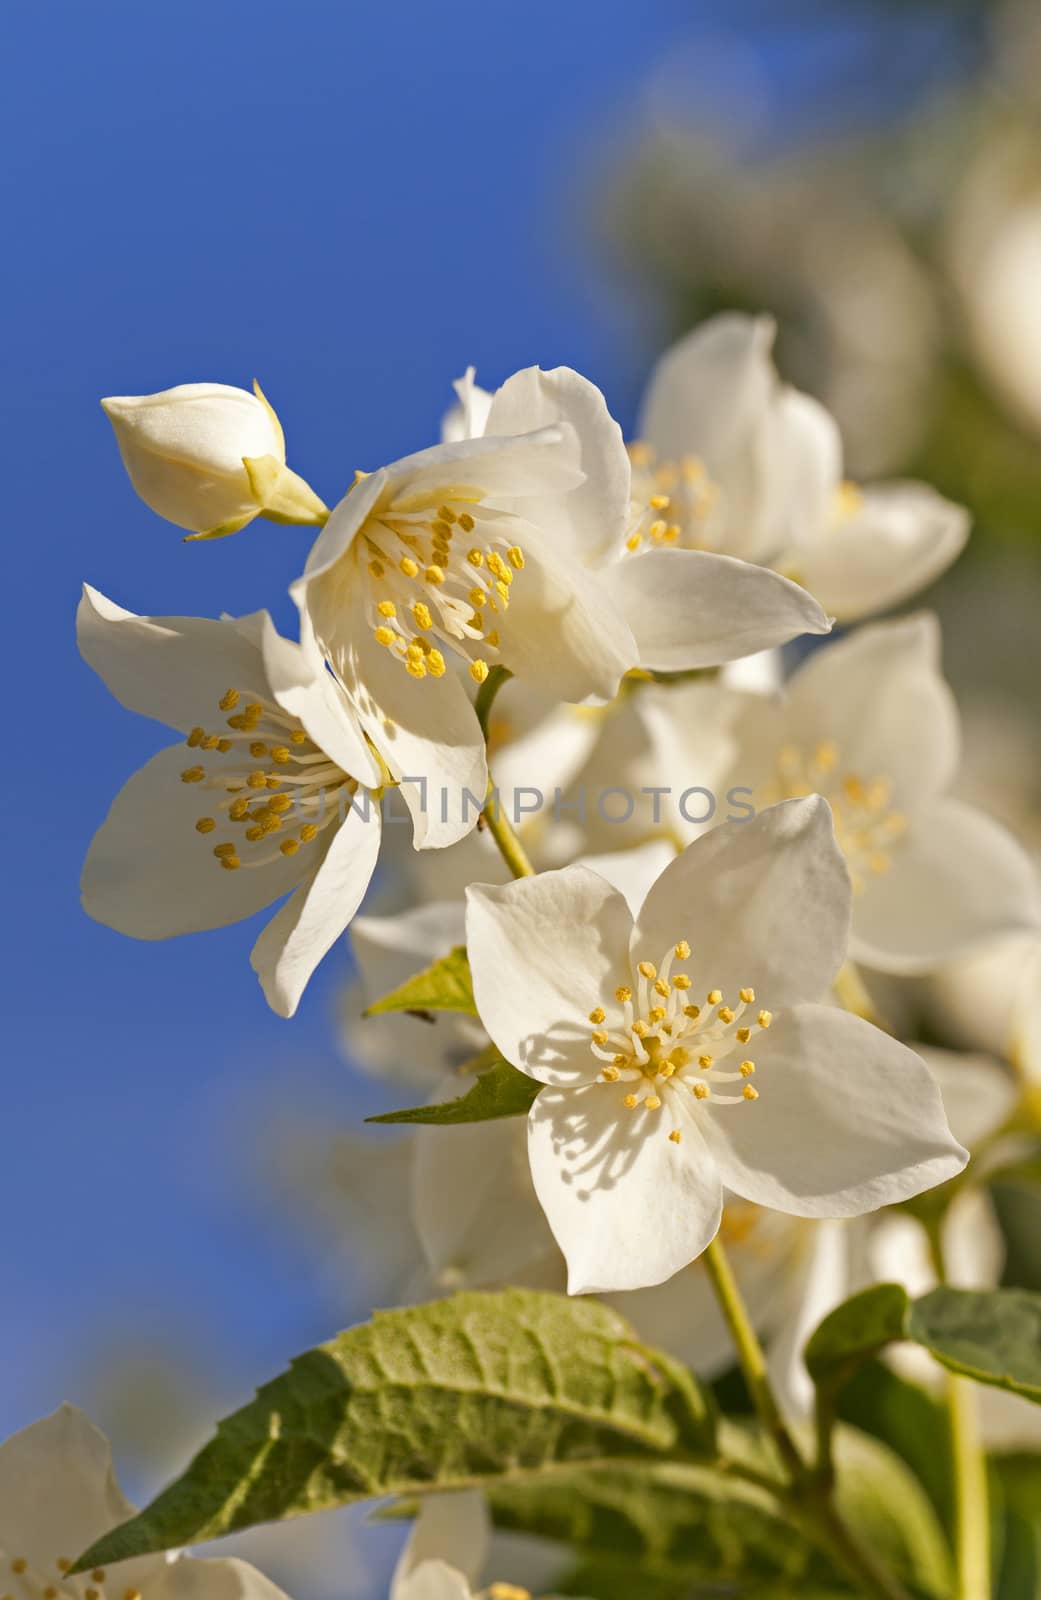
[474,1205]
[817,1285]
[627,1206]
[712,396]
[879,695]
[764,904]
[901,539]
[303,930]
[302,685]
[632,872]
[451,1528]
[228,1579]
[803,472]
[58,1494]
[175,669]
[956,879]
[149,874]
[433,1580]
[565,633]
[689,608]
[544,952]
[847,1120]
[592,518]
[468,418]
[978,1094]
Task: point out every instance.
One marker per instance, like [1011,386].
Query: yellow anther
[436,664]
[632,1101]
[416,669]
[376,569]
[205,825]
[229,700]
[477,597]
[308,832]
[50,1593]
[63,1563]
[652,1103]
[598,1014]
[223,745]
[441,529]
[289,847]
[257,780]
[599,1036]
[671,533]
[421,614]
[281,754]
[502,589]
[700,1091]
[704,1062]
[131,1594]
[466,522]
[273,783]
[385,635]
[280,804]
[495,563]
[746,1069]
[750,1093]
[478,670]
[223,850]
[621,1060]
[659,502]
[236,722]
[725,1014]
[211,741]
[743,1035]
[675,1136]
[196,737]
[622,994]
[681,981]
[682,950]
[647,969]
[610,1074]
[254,833]
[515,556]
[19,1565]
[747,995]
[229,863]
[692,1011]
[387,608]
[765,1018]
[656,1013]
[92,1594]
[238,809]
[435,575]
[714,996]
[258,748]
[634,541]
[641,1029]
[661,986]
[98,1574]
[658,530]
[475,557]
[492,638]
[193,774]
[409,567]
[446,514]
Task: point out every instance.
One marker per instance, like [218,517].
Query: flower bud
[210,458]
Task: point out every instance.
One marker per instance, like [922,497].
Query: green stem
[492,818]
[807,1495]
[971,1503]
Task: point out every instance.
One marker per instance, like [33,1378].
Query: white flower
[992,1000]
[656,1095]
[753,467]
[58,1495]
[270,794]
[683,608]
[210,458]
[449,1545]
[871,724]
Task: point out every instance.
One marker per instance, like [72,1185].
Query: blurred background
[352,203]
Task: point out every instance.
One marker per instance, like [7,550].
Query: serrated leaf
[855,1331]
[991,1335]
[464,1391]
[500,1092]
[444,986]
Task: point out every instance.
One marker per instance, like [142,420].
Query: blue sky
[349,201]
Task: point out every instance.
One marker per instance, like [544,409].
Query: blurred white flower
[870,724]
[270,793]
[210,457]
[730,459]
[58,1495]
[638,1128]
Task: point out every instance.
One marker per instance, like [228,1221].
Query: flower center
[275,781]
[27,1583]
[665,1044]
[440,566]
[866,825]
[672,501]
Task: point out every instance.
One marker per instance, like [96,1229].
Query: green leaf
[445,986]
[991,1335]
[669,1529]
[466,1391]
[500,1092]
[911,1422]
[855,1331]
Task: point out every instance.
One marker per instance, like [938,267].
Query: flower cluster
[658,1046]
